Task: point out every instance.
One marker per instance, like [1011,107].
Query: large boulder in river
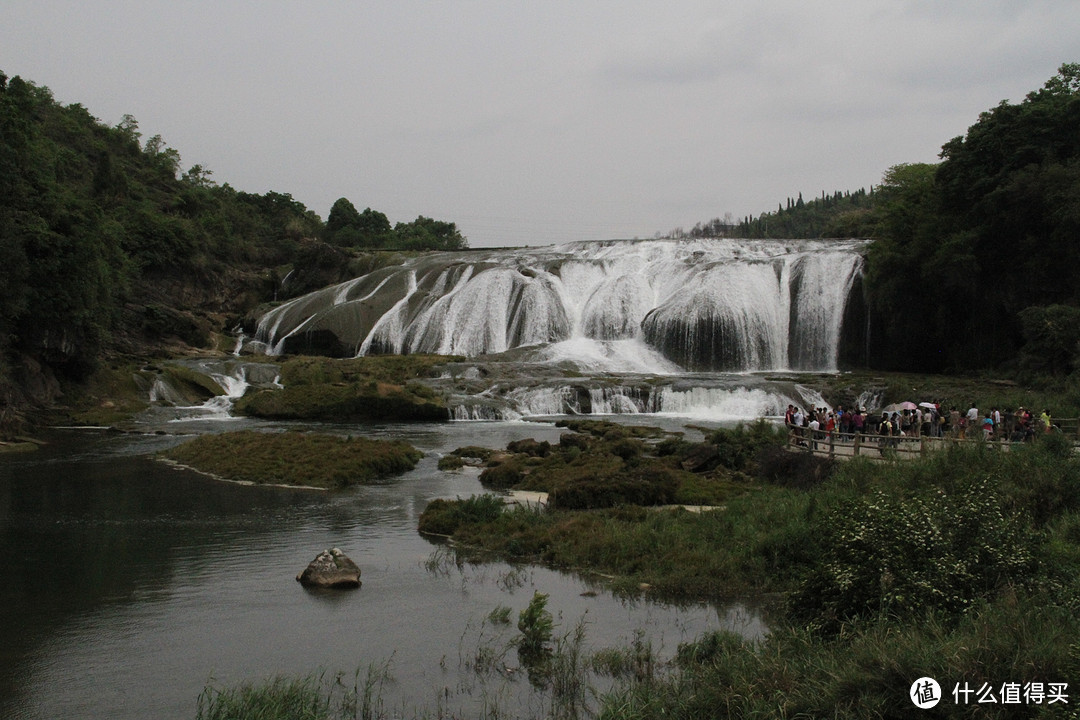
[330,569]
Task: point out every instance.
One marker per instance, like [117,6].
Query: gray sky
[547,121]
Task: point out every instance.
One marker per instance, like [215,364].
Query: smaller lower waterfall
[738,403]
[713,401]
[233,377]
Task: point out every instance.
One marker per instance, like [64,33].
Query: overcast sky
[539,122]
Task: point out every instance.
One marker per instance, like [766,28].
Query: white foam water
[658,306]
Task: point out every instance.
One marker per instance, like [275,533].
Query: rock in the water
[330,569]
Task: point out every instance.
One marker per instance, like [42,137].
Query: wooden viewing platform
[835,444]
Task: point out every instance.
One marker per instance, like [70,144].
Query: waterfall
[657,307]
[234,377]
[720,400]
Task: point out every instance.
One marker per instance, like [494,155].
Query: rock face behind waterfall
[704,305]
[330,569]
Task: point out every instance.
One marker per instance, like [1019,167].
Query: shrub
[530,447]
[473,451]
[778,466]
[535,624]
[443,517]
[451,462]
[574,440]
[502,477]
[739,446]
[628,448]
[647,485]
[672,446]
[905,554]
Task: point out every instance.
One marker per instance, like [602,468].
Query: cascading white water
[688,304]
[717,403]
[234,377]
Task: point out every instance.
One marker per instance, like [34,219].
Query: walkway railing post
[855,446]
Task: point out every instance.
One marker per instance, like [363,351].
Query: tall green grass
[867,672]
[318,696]
[281,698]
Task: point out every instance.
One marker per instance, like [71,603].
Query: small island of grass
[376,388]
[293,458]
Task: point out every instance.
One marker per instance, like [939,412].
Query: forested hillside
[109,247]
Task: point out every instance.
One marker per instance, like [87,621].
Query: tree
[425,233]
[1053,339]
[374,228]
[342,223]
[345,227]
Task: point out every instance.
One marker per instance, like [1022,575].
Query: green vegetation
[111,395]
[536,625]
[867,672]
[347,227]
[446,516]
[603,464]
[110,248]
[863,539]
[368,388]
[314,697]
[294,458]
[963,566]
[306,698]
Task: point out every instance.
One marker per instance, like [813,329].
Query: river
[129,586]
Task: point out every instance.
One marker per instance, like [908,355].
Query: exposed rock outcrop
[330,569]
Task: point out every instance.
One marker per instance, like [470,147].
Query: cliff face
[49,364]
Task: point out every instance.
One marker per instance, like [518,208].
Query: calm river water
[129,586]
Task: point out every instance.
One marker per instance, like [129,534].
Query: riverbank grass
[295,458]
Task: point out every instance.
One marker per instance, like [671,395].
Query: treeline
[841,214]
[346,227]
[976,260]
[104,237]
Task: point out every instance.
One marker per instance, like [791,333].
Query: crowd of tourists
[923,420]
